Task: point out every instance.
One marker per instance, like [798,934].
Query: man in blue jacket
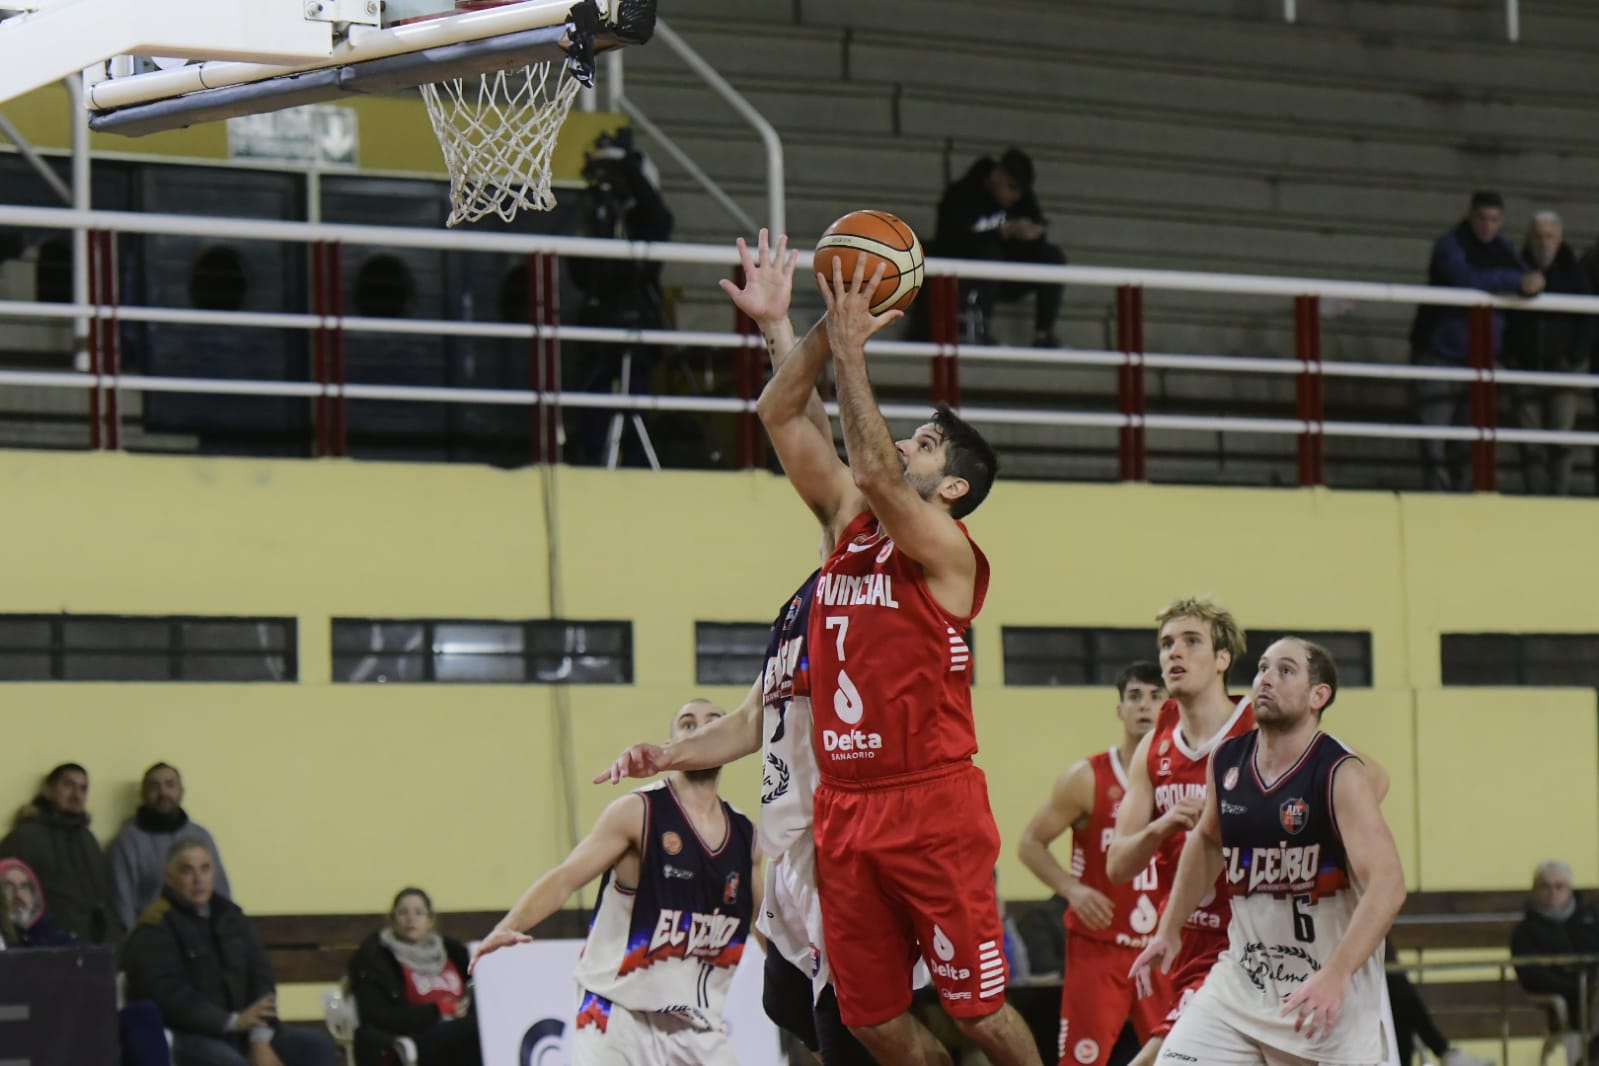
[1473,255]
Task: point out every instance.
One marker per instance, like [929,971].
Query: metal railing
[328,324]
[1560,1022]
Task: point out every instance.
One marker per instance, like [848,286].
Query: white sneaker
[1456,1057]
[408,1053]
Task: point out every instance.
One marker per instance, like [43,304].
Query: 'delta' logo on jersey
[730,891]
[1294,815]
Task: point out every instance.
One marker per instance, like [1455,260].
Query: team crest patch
[1294,814]
[1115,793]
[1230,778]
[671,843]
[1086,1051]
[730,889]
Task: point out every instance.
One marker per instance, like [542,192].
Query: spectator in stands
[410,990]
[52,836]
[1558,922]
[992,213]
[1412,1021]
[1551,342]
[1473,255]
[25,912]
[137,854]
[196,956]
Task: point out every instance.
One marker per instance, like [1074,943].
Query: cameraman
[622,201]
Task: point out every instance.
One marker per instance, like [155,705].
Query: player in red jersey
[905,839]
[1199,641]
[1107,923]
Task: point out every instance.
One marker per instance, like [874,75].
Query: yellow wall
[326,798]
[394,134]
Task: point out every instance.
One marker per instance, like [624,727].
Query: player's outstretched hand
[1315,1006]
[768,280]
[850,322]
[500,938]
[1160,951]
[1094,909]
[641,760]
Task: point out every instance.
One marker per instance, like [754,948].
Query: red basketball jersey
[1137,902]
[1178,769]
[891,677]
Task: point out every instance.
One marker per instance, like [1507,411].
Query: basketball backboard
[222,58]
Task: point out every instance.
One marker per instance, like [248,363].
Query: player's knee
[982,1029]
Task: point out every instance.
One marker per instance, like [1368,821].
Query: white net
[497,132]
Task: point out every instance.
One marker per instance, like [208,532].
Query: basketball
[883,238]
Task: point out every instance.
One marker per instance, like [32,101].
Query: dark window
[1549,659]
[217,281]
[1071,655]
[52,280]
[384,288]
[1350,648]
[729,653]
[146,648]
[469,650]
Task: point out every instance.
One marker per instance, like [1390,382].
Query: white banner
[526,1000]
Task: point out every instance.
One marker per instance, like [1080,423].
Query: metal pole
[685,161]
[1484,404]
[1291,11]
[776,218]
[1513,20]
[34,160]
[613,78]
[81,197]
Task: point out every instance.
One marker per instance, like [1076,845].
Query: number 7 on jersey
[847,700]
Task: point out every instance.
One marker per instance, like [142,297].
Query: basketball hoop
[498,129]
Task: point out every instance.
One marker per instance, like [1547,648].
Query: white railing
[725,257]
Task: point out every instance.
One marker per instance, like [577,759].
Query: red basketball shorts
[905,869]
[1097,998]
[1199,953]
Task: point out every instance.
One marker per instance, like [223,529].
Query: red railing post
[91,249]
[544,315]
[319,348]
[1132,451]
[946,333]
[110,351]
[1310,404]
[746,380]
[341,443]
[1484,401]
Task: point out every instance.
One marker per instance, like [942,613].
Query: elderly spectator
[195,955]
[410,990]
[25,910]
[1558,922]
[1473,255]
[992,213]
[1551,342]
[52,836]
[137,854]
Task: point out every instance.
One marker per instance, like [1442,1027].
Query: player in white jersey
[1292,819]
[681,884]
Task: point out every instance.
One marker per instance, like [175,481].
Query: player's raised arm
[768,289]
[1197,870]
[1139,834]
[1070,803]
[921,528]
[616,830]
[1380,879]
[725,740]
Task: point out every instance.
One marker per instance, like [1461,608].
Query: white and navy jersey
[1292,897]
[670,944]
[788,758]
